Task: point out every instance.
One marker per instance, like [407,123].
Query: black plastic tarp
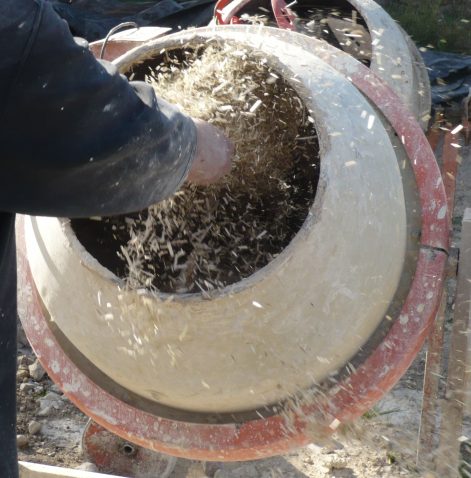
[450,75]
[93,19]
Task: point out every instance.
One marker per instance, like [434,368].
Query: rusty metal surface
[430,406]
[458,363]
[428,433]
[113,455]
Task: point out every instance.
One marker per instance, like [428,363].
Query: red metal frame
[354,396]
[283,15]
[230,17]
[433,362]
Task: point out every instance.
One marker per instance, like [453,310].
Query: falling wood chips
[204,238]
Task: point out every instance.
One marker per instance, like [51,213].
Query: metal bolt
[128,449]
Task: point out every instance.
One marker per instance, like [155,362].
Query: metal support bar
[428,434]
[428,421]
[466,118]
[453,406]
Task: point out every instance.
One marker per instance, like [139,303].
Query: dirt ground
[381,444]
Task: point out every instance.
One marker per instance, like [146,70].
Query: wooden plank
[453,406]
[33,470]
[428,434]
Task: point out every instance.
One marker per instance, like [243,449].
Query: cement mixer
[309,342]
[368,34]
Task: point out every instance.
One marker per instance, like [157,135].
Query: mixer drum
[371,35]
[305,322]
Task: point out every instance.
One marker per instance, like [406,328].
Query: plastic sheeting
[93,19]
[450,75]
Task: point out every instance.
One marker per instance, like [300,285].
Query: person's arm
[76,138]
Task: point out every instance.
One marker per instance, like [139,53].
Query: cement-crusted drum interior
[290,325]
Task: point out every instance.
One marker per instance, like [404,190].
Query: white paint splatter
[442,213]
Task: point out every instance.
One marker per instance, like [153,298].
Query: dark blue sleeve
[77,139]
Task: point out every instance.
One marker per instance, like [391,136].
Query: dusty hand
[213,155]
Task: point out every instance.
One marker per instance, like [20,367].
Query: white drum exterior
[289,325]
